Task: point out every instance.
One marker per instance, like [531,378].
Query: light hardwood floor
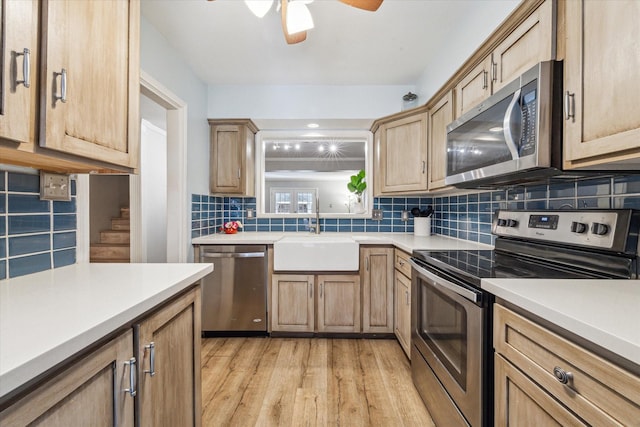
[308,382]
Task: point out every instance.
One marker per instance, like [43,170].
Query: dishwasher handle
[232,255]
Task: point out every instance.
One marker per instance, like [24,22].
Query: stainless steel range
[451,351]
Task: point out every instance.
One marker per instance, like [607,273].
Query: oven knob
[512,223]
[578,227]
[502,222]
[599,229]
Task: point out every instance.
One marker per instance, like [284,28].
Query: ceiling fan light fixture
[259,7]
[298,17]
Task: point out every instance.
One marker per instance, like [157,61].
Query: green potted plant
[357,185]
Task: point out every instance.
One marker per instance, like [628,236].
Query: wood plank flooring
[308,382]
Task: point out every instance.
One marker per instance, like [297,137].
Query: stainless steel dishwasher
[234,295]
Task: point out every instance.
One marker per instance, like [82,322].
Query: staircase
[114,243]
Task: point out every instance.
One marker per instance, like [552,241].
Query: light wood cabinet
[232,161]
[402,314]
[376,264]
[530,363]
[440,115]
[81,112]
[602,88]
[401,155]
[19,82]
[90,102]
[338,303]
[292,303]
[529,43]
[169,389]
[89,392]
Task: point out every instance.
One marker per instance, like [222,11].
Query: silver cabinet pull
[63,85]
[406,294]
[26,67]
[310,290]
[366,263]
[239,176]
[424,166]
[569,106]
[132,377]
[321,289]
[485,79]
[563,376]
[494,71]
[152,358]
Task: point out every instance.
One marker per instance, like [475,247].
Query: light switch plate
[376,214]
[54,186]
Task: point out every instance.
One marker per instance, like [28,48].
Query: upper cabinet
[401,154]
[531,41]
[232,161]
[78,109]
[440,115]
[601,83]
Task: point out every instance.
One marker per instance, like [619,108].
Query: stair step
[124,213]
[104,251]
[111,236]
[119,224]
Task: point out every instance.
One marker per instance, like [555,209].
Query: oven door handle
[439,281]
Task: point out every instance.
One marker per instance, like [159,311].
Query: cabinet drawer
[599,392]
[402,263]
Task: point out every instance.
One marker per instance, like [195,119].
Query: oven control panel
[602,229]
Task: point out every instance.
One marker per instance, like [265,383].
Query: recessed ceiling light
[313,125]
[297,146]
[321,148]
[333,148]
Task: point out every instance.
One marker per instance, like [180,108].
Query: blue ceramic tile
[277,227]
[594,203]
[290,221]
[330,228]
[3,270]
[3,203]
[485,197]
[64,222]
[413,201]
[22,203]
[23,224]
[195,207]
[498,196]
[515,194]
[385,200]
[628,202]
[3,248]
[627,185]
[195,224]
[195,198]
[385,229]
[65,207]
[594,187]
[23,183]
[563,190]
[357,229]
[64,240]
[65,257]
[536,192]
[536,204]
[371,228]
[29,244]
[3,226]
[195,233]
[3,174]
[290,228]
[486,239]
[562,204]
[29,264]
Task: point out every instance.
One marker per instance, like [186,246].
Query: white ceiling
[225,44]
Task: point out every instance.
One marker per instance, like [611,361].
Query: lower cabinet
[315,303]
[402,291]
[546,379]
[376,270]
[99,388]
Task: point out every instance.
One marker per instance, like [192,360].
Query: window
[293,200]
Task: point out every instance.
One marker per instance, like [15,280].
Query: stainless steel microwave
[514,136]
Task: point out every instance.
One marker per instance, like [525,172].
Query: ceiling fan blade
[290,38]
[370,5]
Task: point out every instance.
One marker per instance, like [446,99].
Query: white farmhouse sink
[313,252]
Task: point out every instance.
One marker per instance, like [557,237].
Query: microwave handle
[506,126]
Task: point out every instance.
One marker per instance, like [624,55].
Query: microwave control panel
[529,109]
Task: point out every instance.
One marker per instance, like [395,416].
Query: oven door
[449,330]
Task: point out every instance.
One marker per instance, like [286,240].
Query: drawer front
[598,391]
[402,263]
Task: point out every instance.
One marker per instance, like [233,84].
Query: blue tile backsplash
[32,238]
[466,216]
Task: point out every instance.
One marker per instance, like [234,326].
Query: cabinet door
[402,327]
[377,289]
[403,155]
[531,42]
[226,159]
[292,303]
[169,364]
[18,84]
[474,87]
[90,392]
[90,79]
[601,84]
[338,303]
[520,402]
[439,117]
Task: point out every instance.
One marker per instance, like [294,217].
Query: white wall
[164,63]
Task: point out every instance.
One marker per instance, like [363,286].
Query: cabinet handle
[406,294]
[401,263]
[569,106]
[563,376]
[310,290]
[321,289]
[26,67]
[63,85]
[494,71]
[132,377]
[485,79]
[424,166]
[152,358]
[239,173]
[366,263]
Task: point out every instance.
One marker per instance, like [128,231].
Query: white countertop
[49,316]
[405,241]
[605,312]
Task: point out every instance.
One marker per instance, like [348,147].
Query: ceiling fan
[295,16]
